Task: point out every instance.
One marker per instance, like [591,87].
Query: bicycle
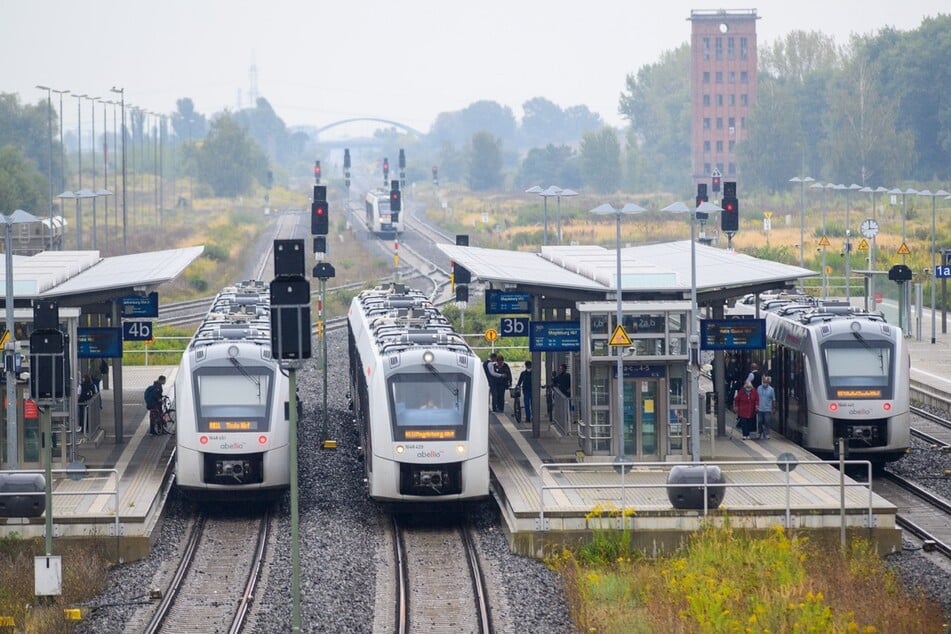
[516,393]
[168,416]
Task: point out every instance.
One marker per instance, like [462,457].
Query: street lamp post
[62,146]
[604,210]
[17,217]
[934,321]
[848,240]
[121,92]
[49,121]
[92,116]
[802,213]
[558,194]
[823,230]
[701,213]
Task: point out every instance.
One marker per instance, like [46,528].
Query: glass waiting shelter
[655,420]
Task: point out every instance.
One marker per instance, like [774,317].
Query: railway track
[433,594]
[214,585]
[920,512]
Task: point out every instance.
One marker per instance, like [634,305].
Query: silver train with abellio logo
[380,220]
[838,372]
[420,398]
[231,399]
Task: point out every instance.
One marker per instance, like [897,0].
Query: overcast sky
[318,62]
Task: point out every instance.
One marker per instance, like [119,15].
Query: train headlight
[428,357]
[232,351]
[460,449]
[855,326]
[887,407]
[262,440]
[833,407]
[400,448]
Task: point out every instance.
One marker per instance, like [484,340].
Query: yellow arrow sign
[768,214]
[619,337]
[824,241]
[863,245]
[903,249]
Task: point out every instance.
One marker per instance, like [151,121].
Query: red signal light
[729,206]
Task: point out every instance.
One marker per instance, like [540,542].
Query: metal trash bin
[31,503]
[684,497]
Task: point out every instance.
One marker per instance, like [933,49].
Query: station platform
[551,496]
[119,490]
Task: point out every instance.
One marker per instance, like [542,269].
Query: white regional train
[379,218]
[838,373]
[231,400]
[420,398]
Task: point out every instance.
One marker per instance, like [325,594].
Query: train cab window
[858,369]
[430,406]
[227,401]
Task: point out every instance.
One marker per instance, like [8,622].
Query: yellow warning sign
[620,337]
[5,339]
[824,241]
[863,245]
[491,334]
[768,214]
[903,249]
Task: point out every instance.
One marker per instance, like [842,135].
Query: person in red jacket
[745,404]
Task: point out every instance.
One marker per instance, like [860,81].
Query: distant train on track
[838,372]
[232,398]
[380,220]
[420,398]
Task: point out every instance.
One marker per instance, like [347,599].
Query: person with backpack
[153,402]
[755,377]
[87,390]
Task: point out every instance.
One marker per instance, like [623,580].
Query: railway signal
[435,176]
[730,217]
[701,193]
[402,164]
[715,177]
[319,218]
[346,167]
[317,172]
[396,201]
[386,171]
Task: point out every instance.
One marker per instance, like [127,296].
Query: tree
[187,123]
[601,160]
[482,116]
[485,162]
[657,103]
[862,142]
[913,68]
[27,129]
[773,149]
[22,186]
[229,160]
[550,165]
[543,122]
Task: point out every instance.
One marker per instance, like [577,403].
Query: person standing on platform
[745,404]
[525,385]
[563,381]
[489,366]
[755,377]
[153,402]
[502,375]
[764,411]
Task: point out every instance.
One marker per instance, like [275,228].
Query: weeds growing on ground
[728,580]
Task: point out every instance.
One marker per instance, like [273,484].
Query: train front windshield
[430,406]
[233,399]
[859,369]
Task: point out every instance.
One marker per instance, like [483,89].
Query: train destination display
[732,334]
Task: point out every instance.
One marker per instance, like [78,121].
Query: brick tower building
[723,87]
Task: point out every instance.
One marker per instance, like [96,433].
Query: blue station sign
[507,302]
[554,336]
[732,334]
[139,305]
[99,343]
